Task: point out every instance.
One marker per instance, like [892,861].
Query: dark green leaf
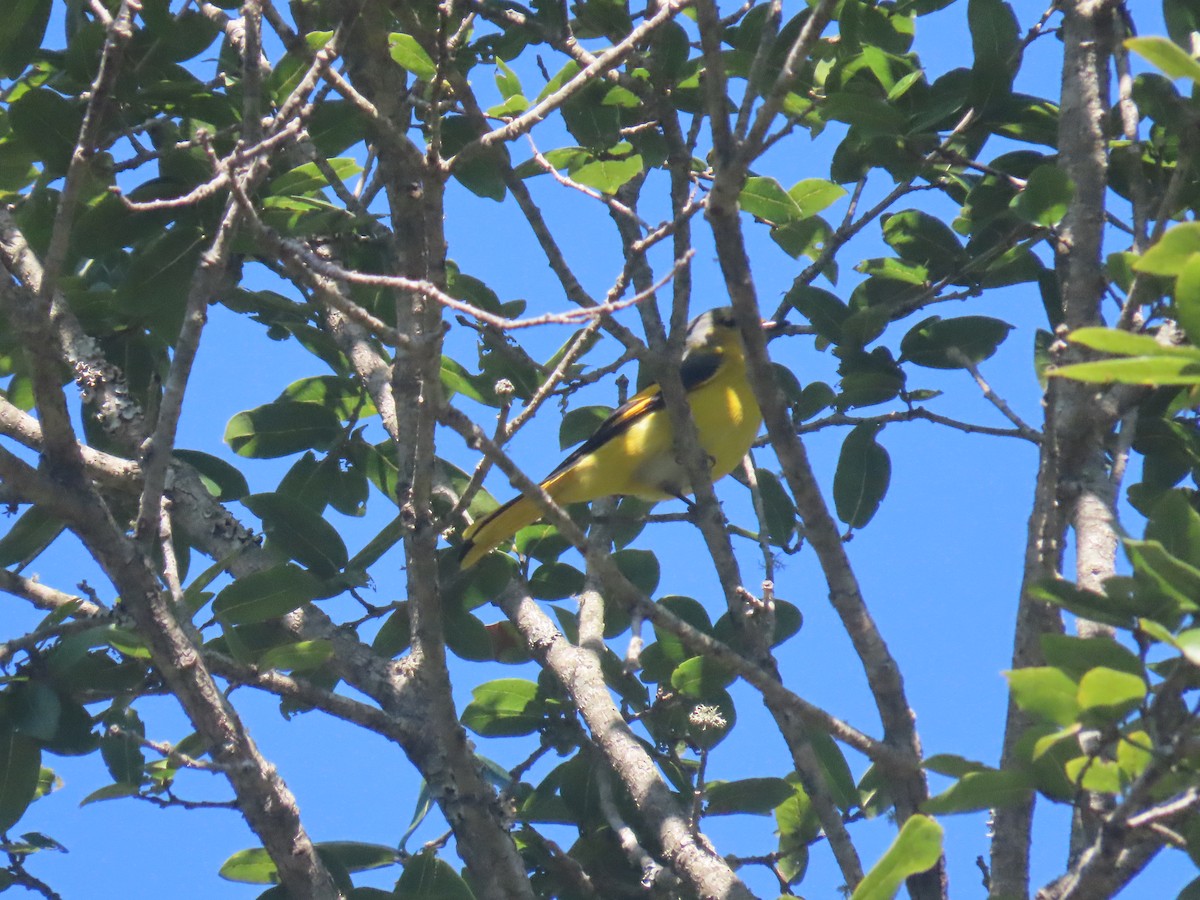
[50,124]
[1046,196]
[300,533]
[302,656]
[920,238]
[121,749]
[581,423]
[28,536]
[21,765]
[938,343]
[266,595]
[1085,604]
[824,311]
[1179,579]
[757,796]
[1187,299]
[1076,655]
[394,634]
[21,30]
[428,878]
[281,429]
[254,866]
[995,37]
[223,480]
[640,567]
[1175,524]
[555,581]
[863,473]
[344,396]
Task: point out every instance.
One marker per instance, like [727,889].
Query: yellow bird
[631,452]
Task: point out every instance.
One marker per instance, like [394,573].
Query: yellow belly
[641,462]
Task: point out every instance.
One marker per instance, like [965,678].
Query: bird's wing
[697,368]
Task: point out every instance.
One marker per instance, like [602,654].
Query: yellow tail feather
[488,533]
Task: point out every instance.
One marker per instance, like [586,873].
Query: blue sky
[940,565]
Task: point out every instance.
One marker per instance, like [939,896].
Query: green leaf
[302,656]
[1085,604]
[1046,196]
[640,567]
[982,789]
[308,180]
[917,848]
[756,796]
[1094,774]
[555,581]
[1188,643]
[1178,578]
[344,396]
[606,174]
[117,791]
[300,533]
[1172,252]
[581,423]
[254,866]
[824,311]
[938,343]
[265,595]
[1175,524]
[394,634]
[778,509]
[995,38]
[505,708]
[357,856]
[122,752]
[222,480]
[1187,299]
[814,195]
[863,473]
[1046,692]
[1127,343]
[410,55]
[49,123]
[1076,655]
[1108,688]
[27,537]
[1148,370]
[1170,59]
[281,429]
[701,677]
[920,238]
[22,28]
[507,81]
[20,768]
[428,878]
[766,199]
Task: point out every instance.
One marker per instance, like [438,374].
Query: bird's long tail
[484,535]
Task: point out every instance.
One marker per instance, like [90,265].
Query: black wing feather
[698,367]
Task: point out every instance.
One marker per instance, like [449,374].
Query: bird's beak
[772,328]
